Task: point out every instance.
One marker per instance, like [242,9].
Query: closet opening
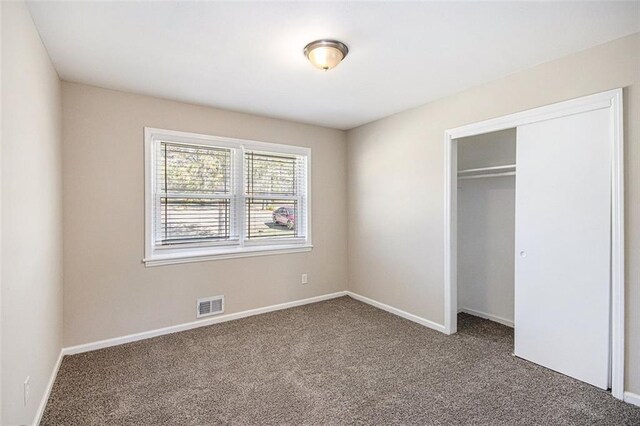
[486,225]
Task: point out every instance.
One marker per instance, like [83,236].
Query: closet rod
[487,175]
[488,169]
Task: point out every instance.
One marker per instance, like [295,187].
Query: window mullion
[240,196]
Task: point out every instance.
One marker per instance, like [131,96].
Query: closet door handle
[523,253]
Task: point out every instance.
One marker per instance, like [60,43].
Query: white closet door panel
[563,231]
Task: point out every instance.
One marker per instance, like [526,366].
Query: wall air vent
[210,306]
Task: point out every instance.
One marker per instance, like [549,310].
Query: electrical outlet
[303,279]
[27,386]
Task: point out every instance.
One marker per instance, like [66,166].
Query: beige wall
[399,161]
[31,215]
[108,292]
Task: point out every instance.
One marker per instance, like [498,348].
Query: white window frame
[158,255]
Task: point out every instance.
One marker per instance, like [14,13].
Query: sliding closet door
[562,268]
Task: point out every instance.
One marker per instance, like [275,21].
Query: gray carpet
[334,362]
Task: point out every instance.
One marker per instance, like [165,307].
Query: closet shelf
[482,172]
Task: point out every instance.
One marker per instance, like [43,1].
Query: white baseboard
[490,317]
[47,391]
[632,398]
[86,347]
[399,312]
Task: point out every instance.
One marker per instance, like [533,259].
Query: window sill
[247,251]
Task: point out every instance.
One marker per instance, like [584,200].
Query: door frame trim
[611,99]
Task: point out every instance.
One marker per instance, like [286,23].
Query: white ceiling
[247,56]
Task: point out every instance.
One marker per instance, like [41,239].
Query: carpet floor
[333,362]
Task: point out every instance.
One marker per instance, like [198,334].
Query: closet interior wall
[486,227]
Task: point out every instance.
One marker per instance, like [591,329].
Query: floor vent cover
[210,306]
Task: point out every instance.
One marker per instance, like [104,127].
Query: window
[210,197]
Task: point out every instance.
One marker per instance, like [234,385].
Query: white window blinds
[195,194]
[275,187]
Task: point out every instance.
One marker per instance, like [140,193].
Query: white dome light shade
[325,54]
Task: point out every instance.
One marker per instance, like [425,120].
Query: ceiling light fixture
[325,54]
